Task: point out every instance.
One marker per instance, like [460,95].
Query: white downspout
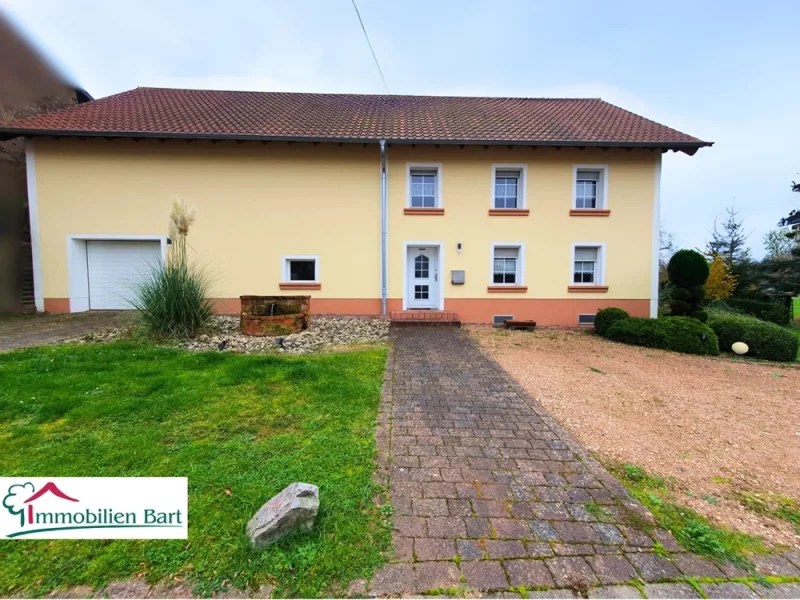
[384,228]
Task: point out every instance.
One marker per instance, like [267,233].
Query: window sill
[507,289]
[424,211]
[509,212]
[301,286]
[587,289]
[589,212]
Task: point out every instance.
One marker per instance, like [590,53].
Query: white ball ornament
[740,348]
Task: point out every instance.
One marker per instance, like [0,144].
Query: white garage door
[114,270]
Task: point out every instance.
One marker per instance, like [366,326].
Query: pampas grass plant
[173,301]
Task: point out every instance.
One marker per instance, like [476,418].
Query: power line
[364,29]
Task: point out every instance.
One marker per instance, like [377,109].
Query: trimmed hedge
[606,317]
[774,312]
[766,340]
[681,334]
[688,268]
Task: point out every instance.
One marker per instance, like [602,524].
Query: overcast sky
[722,71]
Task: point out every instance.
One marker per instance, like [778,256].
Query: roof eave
[687,147]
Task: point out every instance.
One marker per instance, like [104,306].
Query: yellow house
[489,208]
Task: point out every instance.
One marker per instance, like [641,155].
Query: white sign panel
[96,508]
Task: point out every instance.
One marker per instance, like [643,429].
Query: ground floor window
[301,269]
[586,265]
[506,266]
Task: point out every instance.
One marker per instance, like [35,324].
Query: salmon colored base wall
[562,312]
[56,305]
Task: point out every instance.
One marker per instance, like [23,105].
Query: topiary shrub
[766,340]
[688,271]
[688,268]
[681,334]
[606,317]
[774,312]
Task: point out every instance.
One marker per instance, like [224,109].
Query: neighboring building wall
[257,202]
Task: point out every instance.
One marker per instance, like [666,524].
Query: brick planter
[275,315]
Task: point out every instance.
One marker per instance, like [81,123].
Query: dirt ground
[19,331]
[720,427]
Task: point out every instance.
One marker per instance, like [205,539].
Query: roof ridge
[362,94]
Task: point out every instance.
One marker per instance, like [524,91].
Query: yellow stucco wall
[548,231]
[254,204]
[257,202]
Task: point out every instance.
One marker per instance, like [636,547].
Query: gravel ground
[223,334]
[718,426]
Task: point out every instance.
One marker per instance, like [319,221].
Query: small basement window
[499,320]
[585,319]
[301,269]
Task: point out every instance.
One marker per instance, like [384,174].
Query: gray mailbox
[457,277]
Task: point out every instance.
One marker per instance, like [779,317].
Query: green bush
[688,271]
[687,268]
[173,301]
[681,334]
[774,312]
[606,317]
[766,340]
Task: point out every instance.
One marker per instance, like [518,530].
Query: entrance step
[428,318]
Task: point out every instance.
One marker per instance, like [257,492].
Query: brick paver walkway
[492,496]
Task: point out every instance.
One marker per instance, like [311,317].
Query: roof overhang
[687,147]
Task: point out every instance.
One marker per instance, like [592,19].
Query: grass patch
[779,507]
[693,531]
[597,511]
[239,427]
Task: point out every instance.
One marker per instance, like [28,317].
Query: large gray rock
[294,509]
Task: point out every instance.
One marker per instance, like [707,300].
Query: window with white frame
[424,187]
[590,188]
[506,266]
[301,269]
[507,188]
[586,266]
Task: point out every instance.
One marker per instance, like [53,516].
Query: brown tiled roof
[175,113]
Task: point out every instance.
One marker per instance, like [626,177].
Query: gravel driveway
[721,427]
[20,331]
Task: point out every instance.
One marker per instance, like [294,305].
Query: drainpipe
[384,227]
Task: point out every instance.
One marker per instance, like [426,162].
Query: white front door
[423,277]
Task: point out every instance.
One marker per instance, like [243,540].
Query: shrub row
[774,312]
[765,340]
[681,334]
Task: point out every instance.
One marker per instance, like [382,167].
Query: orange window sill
[509,212]
[507,289]
[589,212]
[424,211]
[587,289]
[301,286]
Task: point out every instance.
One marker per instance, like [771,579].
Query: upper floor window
[506,189]
[424,186]
[508,186]
[590,187]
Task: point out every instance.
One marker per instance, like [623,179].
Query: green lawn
[247,425]
[796,307]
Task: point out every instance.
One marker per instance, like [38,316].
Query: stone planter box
[275,315]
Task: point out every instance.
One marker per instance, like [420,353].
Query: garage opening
[104,274]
